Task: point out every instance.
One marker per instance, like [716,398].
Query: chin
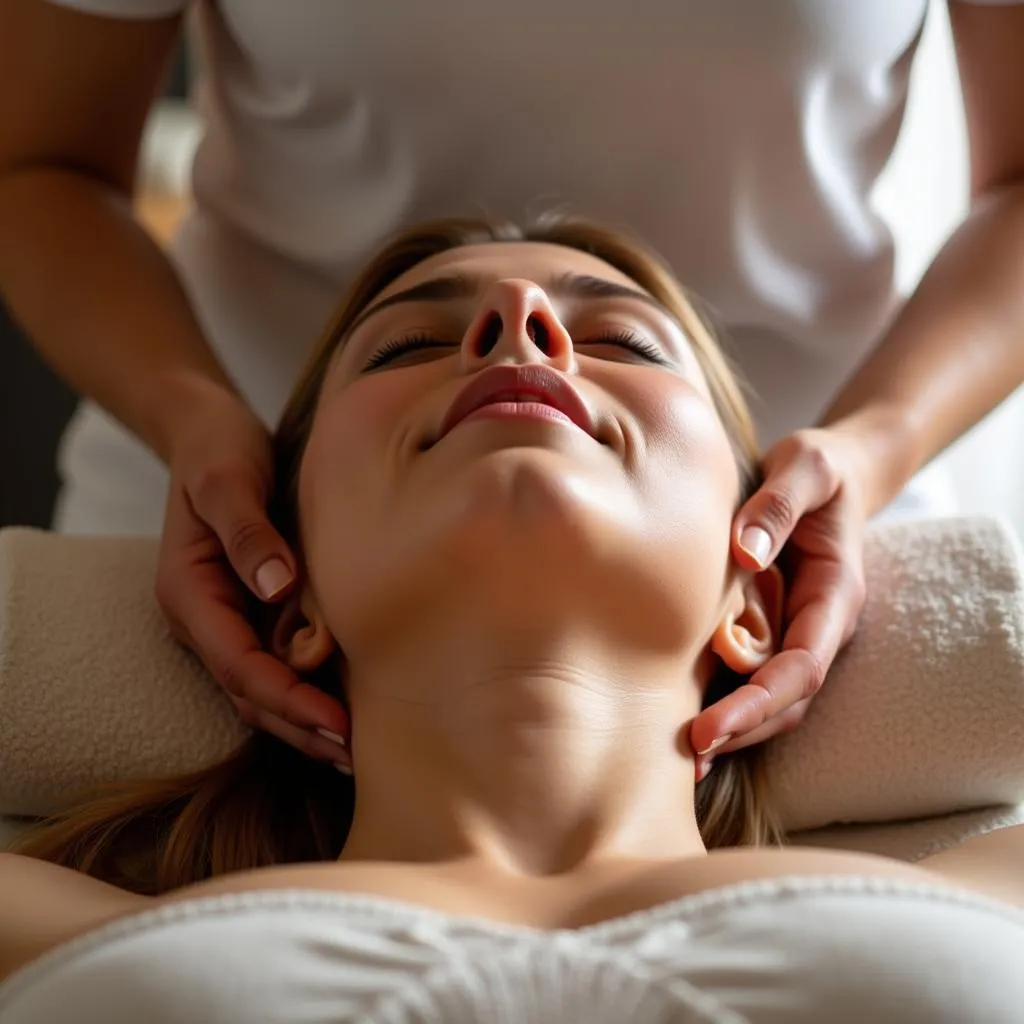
[537,499]
[563,529]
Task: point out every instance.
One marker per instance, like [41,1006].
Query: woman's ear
[751,630]
[300,637]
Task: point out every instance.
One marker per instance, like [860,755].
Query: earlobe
[751,631]
[300,636]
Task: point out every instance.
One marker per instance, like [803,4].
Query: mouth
[535,391]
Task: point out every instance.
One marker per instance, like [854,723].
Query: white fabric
[788,951]
[741,140]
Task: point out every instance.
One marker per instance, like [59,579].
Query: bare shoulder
[726,867]
[45,905]
[992,864]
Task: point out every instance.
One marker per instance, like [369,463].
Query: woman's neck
[533,752]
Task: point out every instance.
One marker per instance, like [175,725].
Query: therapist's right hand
[217,541]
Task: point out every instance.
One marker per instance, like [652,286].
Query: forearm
[954,352]
[101,301]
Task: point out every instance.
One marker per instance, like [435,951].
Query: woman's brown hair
[269,804]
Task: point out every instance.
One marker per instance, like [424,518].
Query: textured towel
[922,715]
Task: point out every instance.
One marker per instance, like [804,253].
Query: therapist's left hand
[812,503]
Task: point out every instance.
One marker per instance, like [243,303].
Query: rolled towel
[922,714]
[93,688]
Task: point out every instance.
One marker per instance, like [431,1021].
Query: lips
[533,383]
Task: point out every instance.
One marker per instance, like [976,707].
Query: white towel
[923,713]
[921,716]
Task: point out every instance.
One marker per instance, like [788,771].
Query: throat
[531,773]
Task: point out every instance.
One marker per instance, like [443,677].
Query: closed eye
[620,337]
[397,347]
[633,342]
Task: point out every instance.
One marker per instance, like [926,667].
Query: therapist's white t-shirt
[739,138]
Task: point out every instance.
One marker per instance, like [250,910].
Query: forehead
[535,261]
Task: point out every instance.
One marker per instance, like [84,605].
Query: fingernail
[721,741]
[332,736]
[272,577]
[704,769]
[757,544]
[343,768]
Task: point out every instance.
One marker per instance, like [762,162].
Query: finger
[233,504]
[785,721]
[308,742]
[772,690]
[825,602]
[801,483]
[228,646]
[205,607]
[793,675]
[823,605]
[824,612]
[842,578]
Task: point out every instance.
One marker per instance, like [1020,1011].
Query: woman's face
[616,507]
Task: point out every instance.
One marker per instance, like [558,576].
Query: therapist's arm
[956,350]
[94,293]
[953,353]
[102,303]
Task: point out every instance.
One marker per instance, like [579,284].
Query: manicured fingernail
[343,768]
[332,736]
[272,577]
[757,544]
[704,769]
[715,744]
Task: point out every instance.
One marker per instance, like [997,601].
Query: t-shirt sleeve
[126,8]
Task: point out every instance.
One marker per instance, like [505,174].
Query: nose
[516,324]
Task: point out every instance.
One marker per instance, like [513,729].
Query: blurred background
[922,193]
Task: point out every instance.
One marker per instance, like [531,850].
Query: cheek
[683,440]
[370,410]
[348,476]
[343,458]
[687,474]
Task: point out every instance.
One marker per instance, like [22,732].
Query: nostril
[489,335]
[538,333]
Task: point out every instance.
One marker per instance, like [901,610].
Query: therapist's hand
[217,541]
[812,502]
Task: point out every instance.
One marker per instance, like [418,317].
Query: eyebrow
[463,286]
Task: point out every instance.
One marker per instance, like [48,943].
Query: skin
[527,613]
[529,618]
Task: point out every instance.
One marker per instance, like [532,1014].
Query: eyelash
[411,342]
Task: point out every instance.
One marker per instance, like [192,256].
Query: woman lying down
[525,562]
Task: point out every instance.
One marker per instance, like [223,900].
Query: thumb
[764,524]
[234,509]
